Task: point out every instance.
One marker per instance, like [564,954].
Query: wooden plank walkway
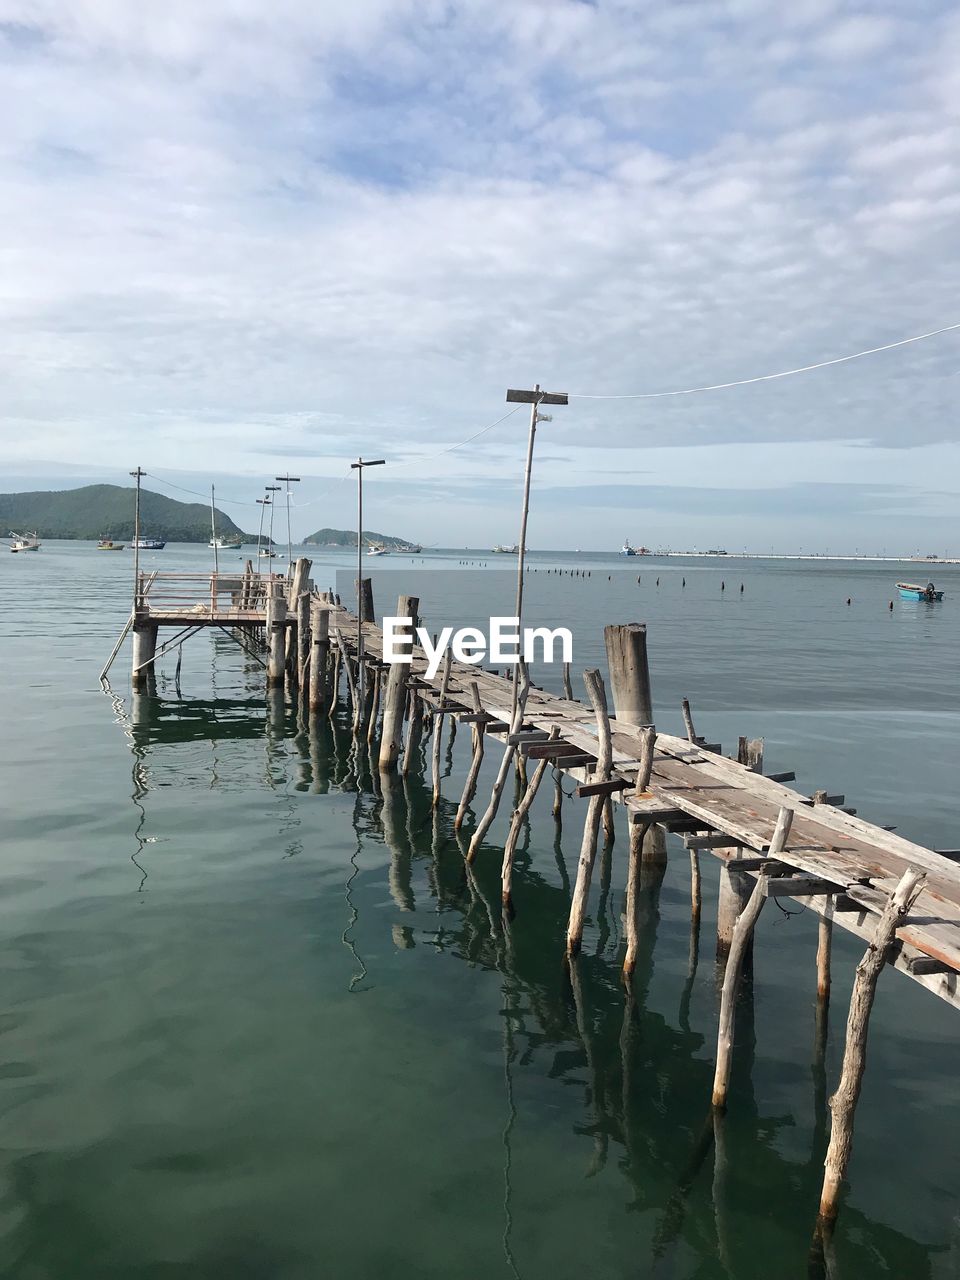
[863,861]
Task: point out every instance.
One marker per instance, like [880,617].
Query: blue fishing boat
[911,591]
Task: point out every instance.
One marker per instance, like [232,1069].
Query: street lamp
[358,466]
[289,480]
[261,503]
[534,399]
[271,488]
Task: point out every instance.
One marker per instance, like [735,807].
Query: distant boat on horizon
[148,544]
[107,544]
[25,541]
[500,550]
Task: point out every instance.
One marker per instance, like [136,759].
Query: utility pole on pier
[534,399]
[137,475]
[289,481]
[261,503]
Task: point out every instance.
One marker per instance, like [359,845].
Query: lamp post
[289,481]
[534,399]
[136,539]
[358,466]
[261,503]
[271,488]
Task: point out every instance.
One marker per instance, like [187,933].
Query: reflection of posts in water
[393,819]
[719,1190]
[596,1091]
[276,712]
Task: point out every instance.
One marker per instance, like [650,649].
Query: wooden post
[470,786]
[732,896]
[303,639]
[366,600]
[516,825]
[648,741]
[844,1101]
[824,947]
[567,686]
[591,827]
[626,646]
[395,694]
[144,647]
[734,972]
[334,682]
[500,782]
[276,635]
[414,731]
[438,731]
[298,585]
[638,831]
[696,894]
[750,754]
[374,705]
[688,721]
[319,649]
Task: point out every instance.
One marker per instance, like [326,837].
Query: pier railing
[219,595]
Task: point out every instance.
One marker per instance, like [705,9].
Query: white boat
[226,544]
[500,550]
[626,549]
[267,554]
[377,549]
[24,542]
[148,544]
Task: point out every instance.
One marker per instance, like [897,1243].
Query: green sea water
[259,1020]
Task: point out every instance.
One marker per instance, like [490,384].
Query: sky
[243,239]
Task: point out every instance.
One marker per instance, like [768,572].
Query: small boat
[226,543]
[148,544]
[913,591]
[626,549]
[377,549]
[107,544]
[500,550]
[267,554]
[24,542]
[408,549]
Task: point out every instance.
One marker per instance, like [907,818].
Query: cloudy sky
[241,237]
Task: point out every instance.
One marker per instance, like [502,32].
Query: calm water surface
[259,1022]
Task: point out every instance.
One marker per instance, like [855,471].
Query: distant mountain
[348,538]
[106,511]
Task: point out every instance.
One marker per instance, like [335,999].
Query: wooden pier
[771,841]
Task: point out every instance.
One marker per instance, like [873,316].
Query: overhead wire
[769,377]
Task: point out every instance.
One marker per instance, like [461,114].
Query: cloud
[236,232]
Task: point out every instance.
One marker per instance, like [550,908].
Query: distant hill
[106,511]
[348,538]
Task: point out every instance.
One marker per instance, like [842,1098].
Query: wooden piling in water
[591,827]
[276,635]
[626,646]
[319,651]
[470,786]
[395,693]
[509,751]
[414,714]
[734,971]
[844,1102]
[638,831]
[438,731]
[303,641]
[144,647]
[298,584]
